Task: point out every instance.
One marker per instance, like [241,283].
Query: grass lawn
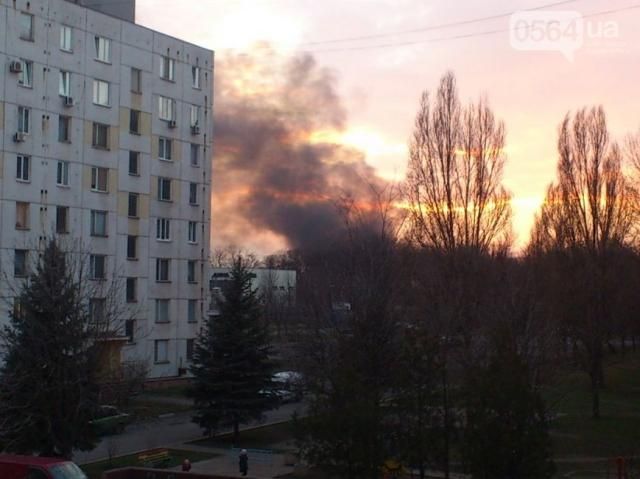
[265,437]
[617,433]
[175,391]
[95,469]
[144,409]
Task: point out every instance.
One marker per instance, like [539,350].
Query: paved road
[165,432]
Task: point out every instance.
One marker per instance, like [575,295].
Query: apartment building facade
[105,139]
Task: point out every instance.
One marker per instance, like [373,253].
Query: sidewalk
[227,464]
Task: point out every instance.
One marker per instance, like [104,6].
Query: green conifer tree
[231,364]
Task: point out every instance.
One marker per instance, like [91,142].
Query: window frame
[134,121]
[99,89]
[163,229]
[25,78]
[24,271]
[133,205]
[28,36]
[102,49]
[62,173]
[97,267]
[132,244]
[191,271]
[192,311]
[64,126]
[192,232]
[157,316]
[193,194]
[62,227]
[23,168]
[166,108]
[136,155]
[64,38]
[165,149]
[167,68]
[196,77]
[24,119]
[163,270]
[95,214]
[23,216]
[136,80]
[64,83]
[95,136]
[156,349]
[99,173]
[164,186]
[131,290]
[194,148]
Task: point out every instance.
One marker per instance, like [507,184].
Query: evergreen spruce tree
[47,387]
[231,364]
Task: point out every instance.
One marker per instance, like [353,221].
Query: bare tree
[454,174]
[460,215]
[588,216]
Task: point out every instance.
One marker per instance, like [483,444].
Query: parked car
[35,467]
[109,420]
[290,385]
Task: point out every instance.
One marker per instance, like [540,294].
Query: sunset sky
[379,78]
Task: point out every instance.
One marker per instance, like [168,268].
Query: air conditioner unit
[67,101]
[19,137]
[172,123]
[15,67]
[195,129]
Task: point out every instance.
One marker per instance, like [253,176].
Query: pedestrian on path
[186,465]
[243,462]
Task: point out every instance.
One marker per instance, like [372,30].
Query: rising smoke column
[271,174]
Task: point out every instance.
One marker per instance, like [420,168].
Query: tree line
[428,339]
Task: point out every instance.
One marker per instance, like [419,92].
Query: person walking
[243,462]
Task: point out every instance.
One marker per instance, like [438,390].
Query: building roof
[31,460]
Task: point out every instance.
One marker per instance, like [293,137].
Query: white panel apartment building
[105,138]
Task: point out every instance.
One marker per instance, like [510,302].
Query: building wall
[131,46]
[123,9]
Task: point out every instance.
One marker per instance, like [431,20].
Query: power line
[454,37]
[437,27]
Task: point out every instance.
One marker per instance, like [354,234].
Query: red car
[35,467]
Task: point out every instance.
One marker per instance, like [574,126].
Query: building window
[23,119]
[192,232]
[168,68]
[22,215]
[101,92]
[164,149]
[193,193]
[18,308]
[162,310]
[100,135]
[162,270]
[161,351]
[134,122]
[62,219]
[62,173]
[195,154]
[64,129]
[164,189]
[103,49]
[26,75]
[130,329]
[136,80]
[64,84]
[133,205]
[191,271]
[163,229]
[194,115]
[131,290]
[192,306]
[190,344]
[166,108]
[66,38]
[23,168]
[98,223]
[20,262]
[134,163]
[97,268]
[195,77]
[132,247]
[26,26]
[99,179]
[97,309]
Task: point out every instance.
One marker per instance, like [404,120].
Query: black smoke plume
[269,175]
